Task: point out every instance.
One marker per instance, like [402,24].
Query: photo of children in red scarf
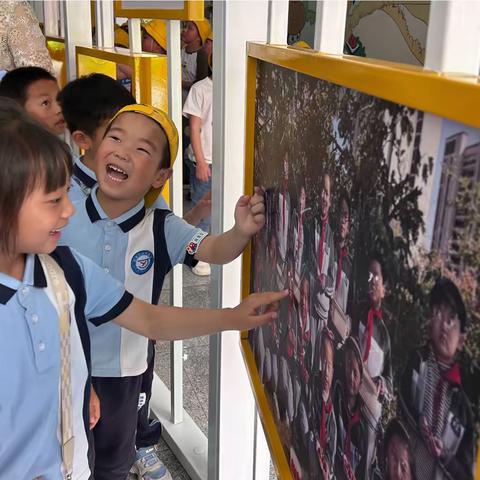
[371,369]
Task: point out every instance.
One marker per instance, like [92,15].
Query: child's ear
[82,140]
[162,177]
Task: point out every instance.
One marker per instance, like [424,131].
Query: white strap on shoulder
[58,283]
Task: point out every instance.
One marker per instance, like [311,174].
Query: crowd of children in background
[120,227]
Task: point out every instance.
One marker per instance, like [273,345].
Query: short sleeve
[34,51]
[106,298]
[194,102]
[182,240]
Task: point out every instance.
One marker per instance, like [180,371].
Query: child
[343,262]
[351,423]
[194,57]
[198,108]
[34,207]
[138,247]
[36,90]
[323,443]
[323,249]
[398,453]
[432,397]
[373,335]
[88,104]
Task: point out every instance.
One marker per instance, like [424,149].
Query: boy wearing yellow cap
[194,57]
[138,246]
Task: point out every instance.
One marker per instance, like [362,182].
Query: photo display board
[371,174]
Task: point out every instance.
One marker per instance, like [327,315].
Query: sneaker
[149,467]
[202,269]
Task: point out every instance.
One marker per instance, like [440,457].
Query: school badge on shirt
[142,261]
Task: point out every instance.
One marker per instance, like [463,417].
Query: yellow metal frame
[56,49]
[192,10]
[454,97]
[149,75]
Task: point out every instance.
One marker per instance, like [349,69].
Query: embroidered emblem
[194,243]
[142,261]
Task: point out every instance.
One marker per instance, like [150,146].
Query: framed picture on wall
[164,9]
[371,174]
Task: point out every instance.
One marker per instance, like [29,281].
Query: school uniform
[323,251]
[343,273]
[30,363]
[323,432]
[374,342]
[352,437]
[300,235]
[434,391]
[148,433]
[138,248]
[82,181]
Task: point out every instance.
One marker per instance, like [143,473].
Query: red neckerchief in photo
[372,313]
[327,408]
[342,254]
[449,375]
[353,420]
[321,245]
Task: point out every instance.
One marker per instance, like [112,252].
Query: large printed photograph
[373,211]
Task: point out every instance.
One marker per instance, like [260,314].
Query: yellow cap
[204,29]
[301,44]
[157,29]
[168,127]
[210,35]
[121,37]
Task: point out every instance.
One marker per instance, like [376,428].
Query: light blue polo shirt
[30,363]
[138,248]
[84,179]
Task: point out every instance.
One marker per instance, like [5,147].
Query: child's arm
[249,219]
[202,171]
[174,323]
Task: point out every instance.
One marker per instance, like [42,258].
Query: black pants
[148,432]
[114,434]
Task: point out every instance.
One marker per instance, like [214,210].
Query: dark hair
[396,428]
[351,345]
[29,155]
[90,100]
[445,292]
[16,82]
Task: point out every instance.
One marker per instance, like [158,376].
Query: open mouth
[56,232]
[115,173]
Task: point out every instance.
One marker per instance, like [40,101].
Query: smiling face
[41,218]
[129,158]
[41,103]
